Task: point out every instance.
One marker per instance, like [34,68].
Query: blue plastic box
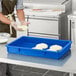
[24,45]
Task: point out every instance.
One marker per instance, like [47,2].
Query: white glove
[23,25]
[14,25]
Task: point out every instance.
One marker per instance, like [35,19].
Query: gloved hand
[15,26]
[24,23]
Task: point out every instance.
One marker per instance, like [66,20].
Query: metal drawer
[44,26]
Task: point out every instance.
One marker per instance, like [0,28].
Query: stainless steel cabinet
[43,27]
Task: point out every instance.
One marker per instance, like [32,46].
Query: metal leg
[69,29]
[71,74]
[65,74]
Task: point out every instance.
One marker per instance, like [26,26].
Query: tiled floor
[28,71]
[56,73]
[16,70]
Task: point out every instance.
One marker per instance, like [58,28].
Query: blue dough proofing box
[24,46]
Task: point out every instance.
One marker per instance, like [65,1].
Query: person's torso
[8,6]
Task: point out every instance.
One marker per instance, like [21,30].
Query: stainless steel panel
[73,31]
[55,18]
[46,1]
[43,35]
[44,26]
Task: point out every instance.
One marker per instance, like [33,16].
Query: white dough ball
[42,45]
[55,48]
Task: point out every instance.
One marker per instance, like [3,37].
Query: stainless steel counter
[67,64]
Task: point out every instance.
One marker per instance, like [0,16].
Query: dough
[3,39]
[55,48]
[23,27]
[42,46]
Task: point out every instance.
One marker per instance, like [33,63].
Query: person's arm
[20,14]
[7,21]
[4,19]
